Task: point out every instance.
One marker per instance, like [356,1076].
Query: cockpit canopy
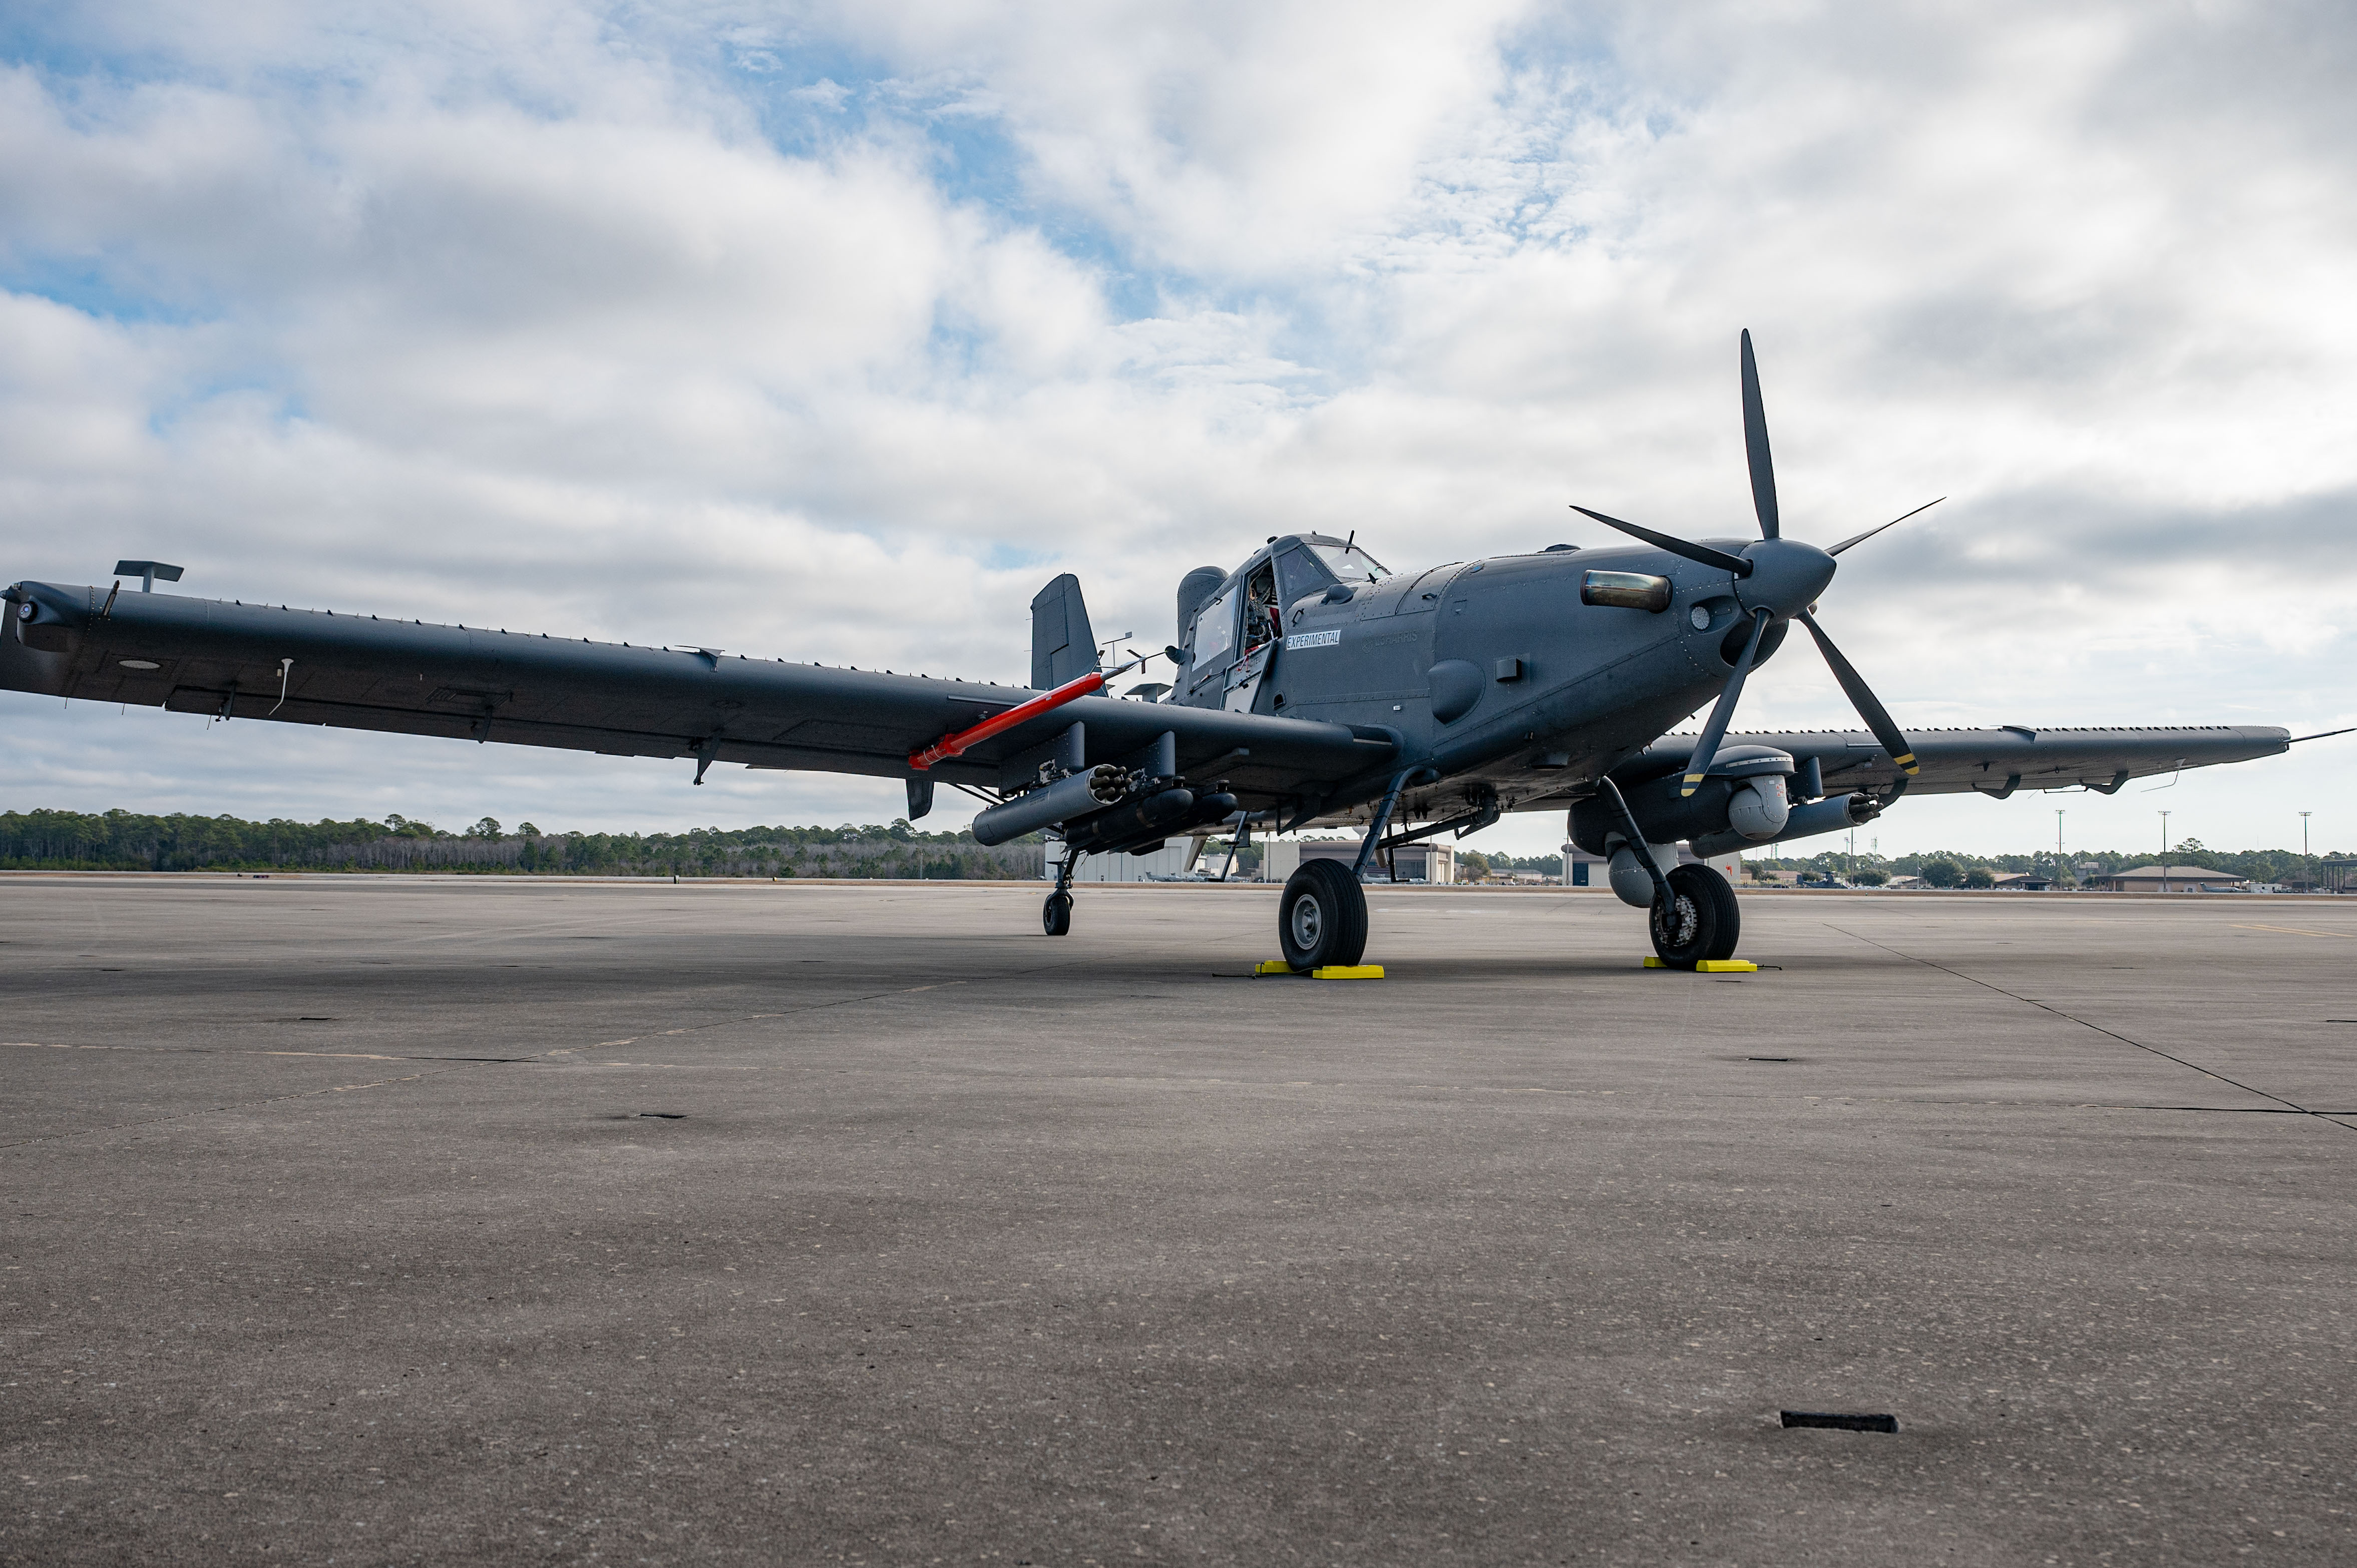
[1225,617]
[1346,560]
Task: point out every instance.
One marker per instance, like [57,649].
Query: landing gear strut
[1699,919]
[1693,915]
[1322,921]
[1056,915]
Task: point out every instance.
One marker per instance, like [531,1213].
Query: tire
[1701,921]
[1056,915]
[1321,920]
[1730,916]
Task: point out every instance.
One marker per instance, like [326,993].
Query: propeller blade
[1755,447]
[1877,717]
[1894,522]
[1691,552]
[1706,748]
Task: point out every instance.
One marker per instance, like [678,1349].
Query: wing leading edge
[1992,762]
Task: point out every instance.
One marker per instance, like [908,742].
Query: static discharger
[1331,972]
[1708,965]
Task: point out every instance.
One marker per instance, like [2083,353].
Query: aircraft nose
[1786,576]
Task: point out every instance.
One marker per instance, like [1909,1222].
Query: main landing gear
[1056,915]
[1322,921]
[1700,921]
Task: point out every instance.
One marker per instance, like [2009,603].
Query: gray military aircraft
[1312,686]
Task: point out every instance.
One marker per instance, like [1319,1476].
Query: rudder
[1063,647]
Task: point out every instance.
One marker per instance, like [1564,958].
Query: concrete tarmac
[495,1220]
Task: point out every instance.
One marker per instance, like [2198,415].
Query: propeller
[1755,447]
[1869,708]
[1701,554]
[1788,575]
[1715,730]
[1894,522]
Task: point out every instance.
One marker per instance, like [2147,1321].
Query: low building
[2026,882]
[1428,863]
[1171,861]
[2171,879]
[1581,869]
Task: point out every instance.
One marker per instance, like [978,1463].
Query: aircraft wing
[235,661]
[1994,762]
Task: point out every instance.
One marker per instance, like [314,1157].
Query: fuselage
[1501,675]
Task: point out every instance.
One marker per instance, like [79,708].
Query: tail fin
[1063,648]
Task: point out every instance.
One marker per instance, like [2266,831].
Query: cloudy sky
[831,332]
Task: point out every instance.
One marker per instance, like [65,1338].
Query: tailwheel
[1322,921]
[1056,916]
[1700,921]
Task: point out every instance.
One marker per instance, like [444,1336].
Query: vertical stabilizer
[1063,648]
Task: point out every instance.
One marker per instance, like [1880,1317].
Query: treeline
[130,840]
[2270,865]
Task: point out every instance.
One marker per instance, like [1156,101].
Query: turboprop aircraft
[1311,686]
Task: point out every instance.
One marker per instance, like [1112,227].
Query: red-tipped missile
[950,746]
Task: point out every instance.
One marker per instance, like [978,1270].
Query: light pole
[2305,869]
[2058,848]
[2164,852]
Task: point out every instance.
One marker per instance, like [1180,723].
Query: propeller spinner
[1776,579]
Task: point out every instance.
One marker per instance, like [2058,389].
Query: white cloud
[1232,139]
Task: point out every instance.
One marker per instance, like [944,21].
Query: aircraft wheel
[1321,920]
[1056,916]
[1700,921]
[1729,926]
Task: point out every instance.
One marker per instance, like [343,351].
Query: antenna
[147,572]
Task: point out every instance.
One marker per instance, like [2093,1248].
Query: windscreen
[1351,563]
[1215,629]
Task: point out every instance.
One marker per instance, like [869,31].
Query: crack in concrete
[2290,1107]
